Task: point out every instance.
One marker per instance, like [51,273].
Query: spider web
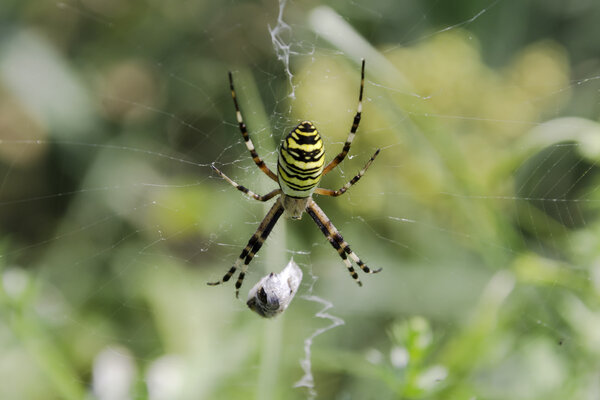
[481,208]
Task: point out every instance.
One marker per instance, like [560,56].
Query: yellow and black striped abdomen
[300,163]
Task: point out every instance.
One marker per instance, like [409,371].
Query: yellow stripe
[306,147]
[311,133]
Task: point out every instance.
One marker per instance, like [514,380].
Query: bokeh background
[482,208]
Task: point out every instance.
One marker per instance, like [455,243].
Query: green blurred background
[482,208]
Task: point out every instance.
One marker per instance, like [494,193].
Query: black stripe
[272,223]
[229,274]
[302,177]
[305,127]
[317,220]
[295,154]
[300,188]
[307,171]
[240,279]
[336,246]
[247,248]
[258,244]
[304,156]
[244,131]
[303,152]
[338,237]
[305,139]
[242,189]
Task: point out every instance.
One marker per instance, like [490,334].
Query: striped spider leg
[337,241]
[340,157]
[259,237]
[331,232]
[238,114]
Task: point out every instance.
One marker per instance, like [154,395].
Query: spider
[299,170]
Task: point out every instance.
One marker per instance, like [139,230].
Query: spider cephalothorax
[300,167]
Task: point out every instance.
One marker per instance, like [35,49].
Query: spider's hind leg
[337,241]
[254,244]
[227,275]
[340,157]
[357,260]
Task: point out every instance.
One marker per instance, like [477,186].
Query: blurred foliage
[482,208]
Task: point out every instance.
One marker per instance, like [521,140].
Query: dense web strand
[281,46]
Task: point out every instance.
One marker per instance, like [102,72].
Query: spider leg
[337,241]
[245,190]
[257,160]
[343,189]
[254,244]
[338,159]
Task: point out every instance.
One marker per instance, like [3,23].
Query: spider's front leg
[255,157]
[340,157]
[254,244]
